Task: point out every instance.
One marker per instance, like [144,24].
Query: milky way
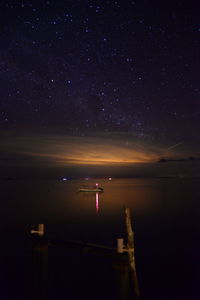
[78,67]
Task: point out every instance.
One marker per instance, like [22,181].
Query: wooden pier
[122,258]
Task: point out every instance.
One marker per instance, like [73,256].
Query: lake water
[165,215]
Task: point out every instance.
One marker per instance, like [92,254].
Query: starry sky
[98,82]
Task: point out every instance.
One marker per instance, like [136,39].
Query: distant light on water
[64,179]
[97,203]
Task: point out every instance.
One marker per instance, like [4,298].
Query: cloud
[116,154]
[116,149]
[64,150]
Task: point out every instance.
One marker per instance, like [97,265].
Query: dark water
[165,215]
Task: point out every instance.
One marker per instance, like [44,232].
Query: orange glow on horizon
[111,155]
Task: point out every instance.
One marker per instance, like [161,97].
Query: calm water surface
[165,214]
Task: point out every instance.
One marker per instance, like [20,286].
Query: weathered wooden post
[130,248]
[120,245]
[39,230]
[122,272]
[40,263]
[122,278]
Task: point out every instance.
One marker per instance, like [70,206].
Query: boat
[91,188]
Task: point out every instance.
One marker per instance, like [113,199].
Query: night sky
[99,82]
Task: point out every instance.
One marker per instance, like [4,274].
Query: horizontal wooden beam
[84,247]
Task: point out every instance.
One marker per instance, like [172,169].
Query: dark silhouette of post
[124,265]
[40,264]
[130,248]
[122,279]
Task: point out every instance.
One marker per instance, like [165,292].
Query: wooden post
[120,245]
[39,231]
[40,264]
[131,252]
[122,278]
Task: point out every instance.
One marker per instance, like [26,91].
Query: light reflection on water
[97,202]
[165,214]
[51,199]
[167,202]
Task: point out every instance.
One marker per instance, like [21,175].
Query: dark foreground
[166,225]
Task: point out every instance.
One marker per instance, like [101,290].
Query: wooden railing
[123,259]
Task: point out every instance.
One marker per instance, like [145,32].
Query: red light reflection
[97,203]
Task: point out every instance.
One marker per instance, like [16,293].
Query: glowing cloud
[93,151]
[115,149]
